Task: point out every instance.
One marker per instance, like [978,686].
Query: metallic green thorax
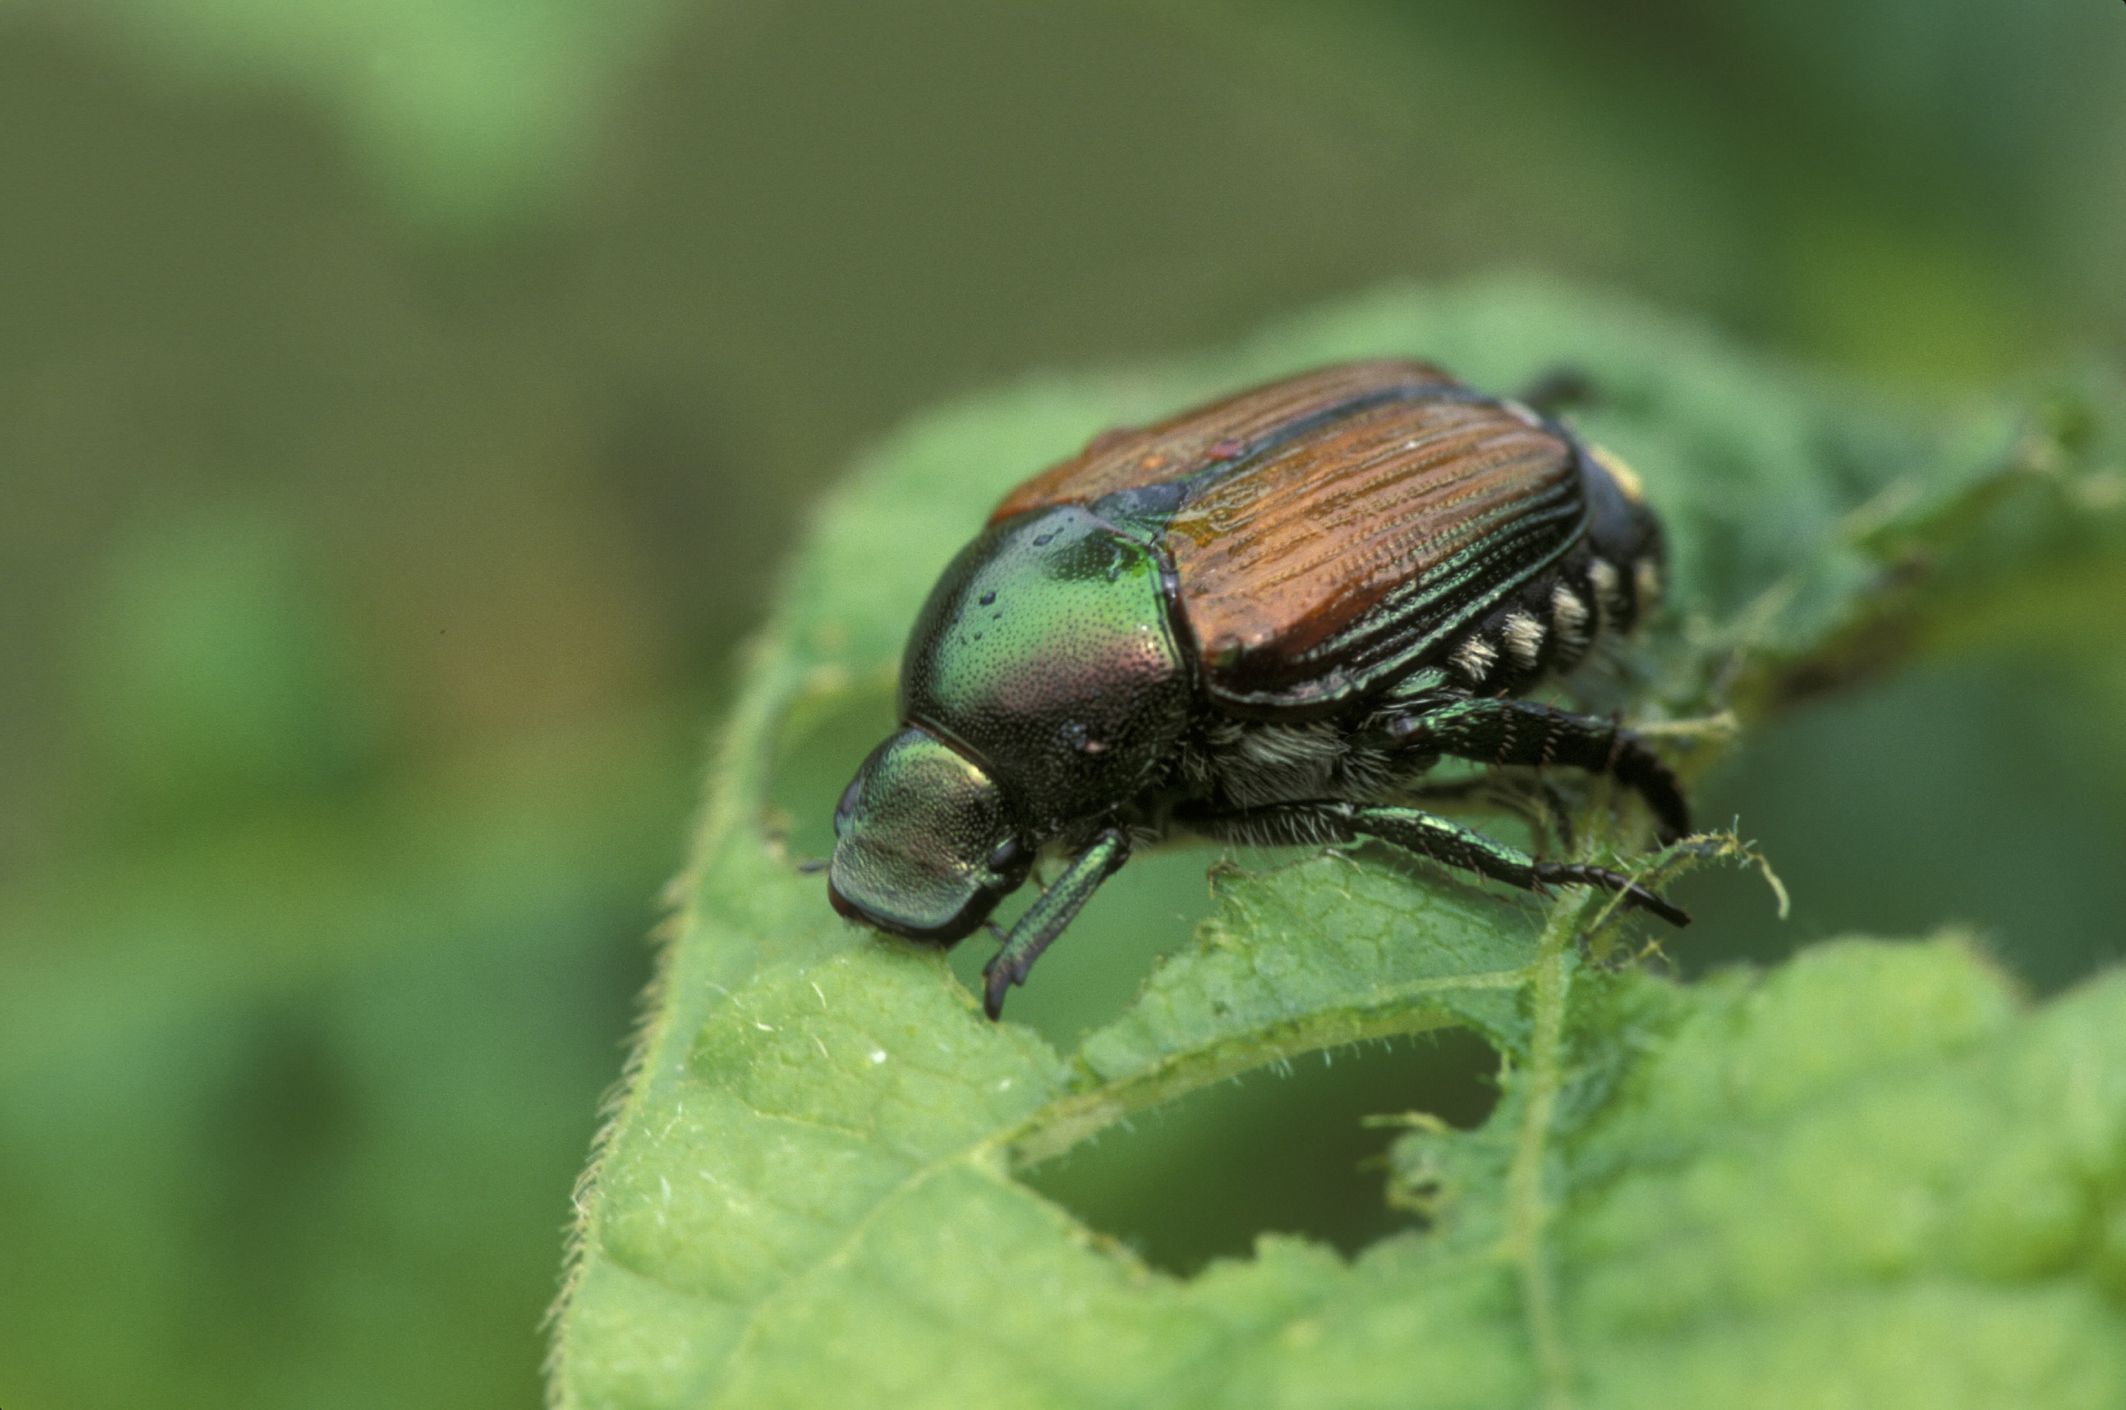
[1042,685]
[1046,653]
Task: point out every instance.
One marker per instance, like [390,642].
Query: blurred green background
[404,405]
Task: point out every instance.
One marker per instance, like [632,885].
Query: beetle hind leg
[1427,835]
[1507,730]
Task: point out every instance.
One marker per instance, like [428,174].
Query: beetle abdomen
[1605,582]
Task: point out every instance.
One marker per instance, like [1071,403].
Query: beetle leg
[1556,388]
[1506,730]
[1421,832]
[1046,918]
[1534,800]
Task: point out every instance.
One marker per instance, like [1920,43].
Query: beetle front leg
[1046,918]
[1504,730]
[1415,830]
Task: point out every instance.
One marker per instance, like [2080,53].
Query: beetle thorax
[1046,651]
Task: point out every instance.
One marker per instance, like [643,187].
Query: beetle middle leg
[1507,730]
[1413,829]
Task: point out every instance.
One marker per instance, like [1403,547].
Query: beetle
[1261,621]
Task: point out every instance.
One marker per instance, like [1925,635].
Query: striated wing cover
[1209,439]
[1340,559]
[1331,530]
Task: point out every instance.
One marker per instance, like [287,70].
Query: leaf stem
[1528,1209]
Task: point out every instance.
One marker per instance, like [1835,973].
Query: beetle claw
[997,981]
[1632,892]
[1646,900]
[1640,898]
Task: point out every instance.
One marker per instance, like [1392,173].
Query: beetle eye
[843,809]
[1006,855]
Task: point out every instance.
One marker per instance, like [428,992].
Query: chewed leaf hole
[1288,1149]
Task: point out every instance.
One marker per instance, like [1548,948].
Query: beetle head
[923,844]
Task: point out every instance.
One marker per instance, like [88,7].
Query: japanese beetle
[1261,621]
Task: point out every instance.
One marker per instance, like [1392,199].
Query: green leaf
[1867,1179]
[810,1192]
